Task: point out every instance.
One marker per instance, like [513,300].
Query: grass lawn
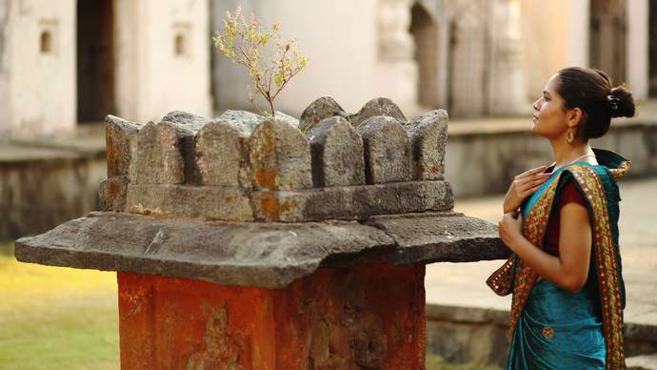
[56,318]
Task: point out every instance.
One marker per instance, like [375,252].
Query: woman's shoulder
[591,180]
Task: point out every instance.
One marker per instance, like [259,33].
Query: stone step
[643,362]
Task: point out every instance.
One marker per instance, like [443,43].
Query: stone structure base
[370,315]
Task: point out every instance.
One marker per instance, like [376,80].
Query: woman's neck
[567,153]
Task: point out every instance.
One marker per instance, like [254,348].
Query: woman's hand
[510,230]
[523,186]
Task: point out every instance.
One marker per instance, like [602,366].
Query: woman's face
[549,115]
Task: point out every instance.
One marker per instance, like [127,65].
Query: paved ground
[463,284]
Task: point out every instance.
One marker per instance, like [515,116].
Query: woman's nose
[536,105]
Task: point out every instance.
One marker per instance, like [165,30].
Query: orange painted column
[369,315]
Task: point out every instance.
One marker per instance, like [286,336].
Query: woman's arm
[571,269]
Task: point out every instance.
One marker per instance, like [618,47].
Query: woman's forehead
[552,85]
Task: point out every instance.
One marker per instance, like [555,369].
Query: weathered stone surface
[256,254]
[377,107]
[337,154]
[320,109]
[192,121]
[467,334]
[235,204]
[245,254]
[205,202]
[220,156]
[121,144]
[387,151]
[112,194]
[280,157]
[367,316]
[429,139]
[41,188]
[453,237]
[160,159]
[354,202]
[246,121]
[643,362]
[280,116]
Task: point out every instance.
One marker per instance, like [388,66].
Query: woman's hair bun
[621,102]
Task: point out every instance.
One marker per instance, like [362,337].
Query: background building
[71,61]
[66,62]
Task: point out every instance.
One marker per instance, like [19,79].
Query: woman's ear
[574,117]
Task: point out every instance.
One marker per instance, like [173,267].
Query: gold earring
[570,136]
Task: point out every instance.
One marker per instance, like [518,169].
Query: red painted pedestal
[367,316]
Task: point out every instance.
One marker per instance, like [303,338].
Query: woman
[561,223]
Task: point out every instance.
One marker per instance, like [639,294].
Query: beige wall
[340,39]
[151,79]
[545,25]
[557,35]
[39,88]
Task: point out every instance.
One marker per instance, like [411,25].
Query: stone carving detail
[243,167]
[387,151]
[121,143]
[378,107]
[322,108]
[337,154]
[280,156]
[429,138]
[220,140]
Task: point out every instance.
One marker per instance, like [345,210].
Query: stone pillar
[637,58]
[578,13]
[332,319]
[507,86]
[397,71]
[243,243]
[444,53]
[469,58]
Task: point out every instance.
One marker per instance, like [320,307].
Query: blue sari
[553,328]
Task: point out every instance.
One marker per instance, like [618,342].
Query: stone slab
[421,238]
[235,204]
[112,193]
[206,202]
[352,202]
[645,362]
[244,254]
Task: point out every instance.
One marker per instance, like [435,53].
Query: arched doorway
[608,37]
[95,59]
[469,58]
[425,35]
